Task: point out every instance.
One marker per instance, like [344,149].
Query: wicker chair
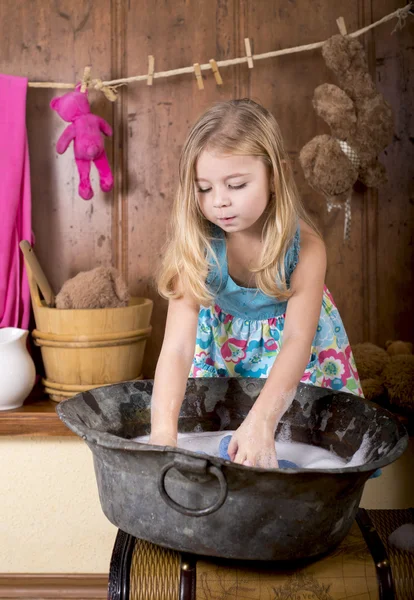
[363,566]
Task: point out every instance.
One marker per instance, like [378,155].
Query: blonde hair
[240,127]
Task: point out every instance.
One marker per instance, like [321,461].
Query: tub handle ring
[206,468]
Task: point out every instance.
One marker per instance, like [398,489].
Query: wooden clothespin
[216,72]
[248,53]
[340,21]
[198,75]
[86,79]
[150,69]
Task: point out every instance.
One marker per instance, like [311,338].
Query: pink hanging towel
[15,202]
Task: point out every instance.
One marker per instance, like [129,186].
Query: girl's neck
[243,252]
[243,237]
[251,235]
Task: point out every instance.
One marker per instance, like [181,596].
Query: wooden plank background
[52,40]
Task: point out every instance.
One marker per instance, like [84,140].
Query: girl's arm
[172,370]
[254,440]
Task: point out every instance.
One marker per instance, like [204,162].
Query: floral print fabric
[229,346]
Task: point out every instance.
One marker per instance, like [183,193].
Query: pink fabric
[15,202]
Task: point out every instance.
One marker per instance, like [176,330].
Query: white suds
[304,456]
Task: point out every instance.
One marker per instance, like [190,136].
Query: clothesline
[109,88]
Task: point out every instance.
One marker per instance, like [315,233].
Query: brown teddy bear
[387,375]
[360,121]
[102,287]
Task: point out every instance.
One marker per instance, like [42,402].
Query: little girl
[244,275]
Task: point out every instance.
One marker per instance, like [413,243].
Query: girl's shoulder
[311,244]
[307,229]
[306,239]
[309,236]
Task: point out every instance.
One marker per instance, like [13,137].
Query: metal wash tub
[206,505]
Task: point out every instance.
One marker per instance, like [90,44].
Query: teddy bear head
[102,287]
[345,57]
[72,105]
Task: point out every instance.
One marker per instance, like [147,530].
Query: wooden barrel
[87,348]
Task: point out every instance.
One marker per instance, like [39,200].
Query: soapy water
[305,456]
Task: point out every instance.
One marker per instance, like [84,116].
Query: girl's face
[233,191]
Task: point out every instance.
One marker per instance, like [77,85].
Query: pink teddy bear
[85,131]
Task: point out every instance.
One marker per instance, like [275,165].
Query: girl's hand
[253,444]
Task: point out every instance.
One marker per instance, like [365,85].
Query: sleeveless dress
[241,334]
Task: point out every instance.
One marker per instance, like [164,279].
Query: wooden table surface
[37,417]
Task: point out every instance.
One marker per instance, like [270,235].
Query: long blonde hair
[240,127]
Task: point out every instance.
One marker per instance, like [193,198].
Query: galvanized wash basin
[206,505]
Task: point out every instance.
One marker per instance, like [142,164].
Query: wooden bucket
[88,348]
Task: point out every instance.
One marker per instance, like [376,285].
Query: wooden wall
[52,40]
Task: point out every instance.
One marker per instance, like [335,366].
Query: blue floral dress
[241,334]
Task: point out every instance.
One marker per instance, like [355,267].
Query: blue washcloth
[376,474]
[223,453]
[287,464]
[223,447]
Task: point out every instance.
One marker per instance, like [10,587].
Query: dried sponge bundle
[360,120]
[370,360]
[387,375]
[398,377]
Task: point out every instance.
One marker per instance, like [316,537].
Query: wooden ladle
[38,273]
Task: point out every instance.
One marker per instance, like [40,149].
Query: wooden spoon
[38,273]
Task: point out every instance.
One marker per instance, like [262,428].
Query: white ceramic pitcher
[17,370]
